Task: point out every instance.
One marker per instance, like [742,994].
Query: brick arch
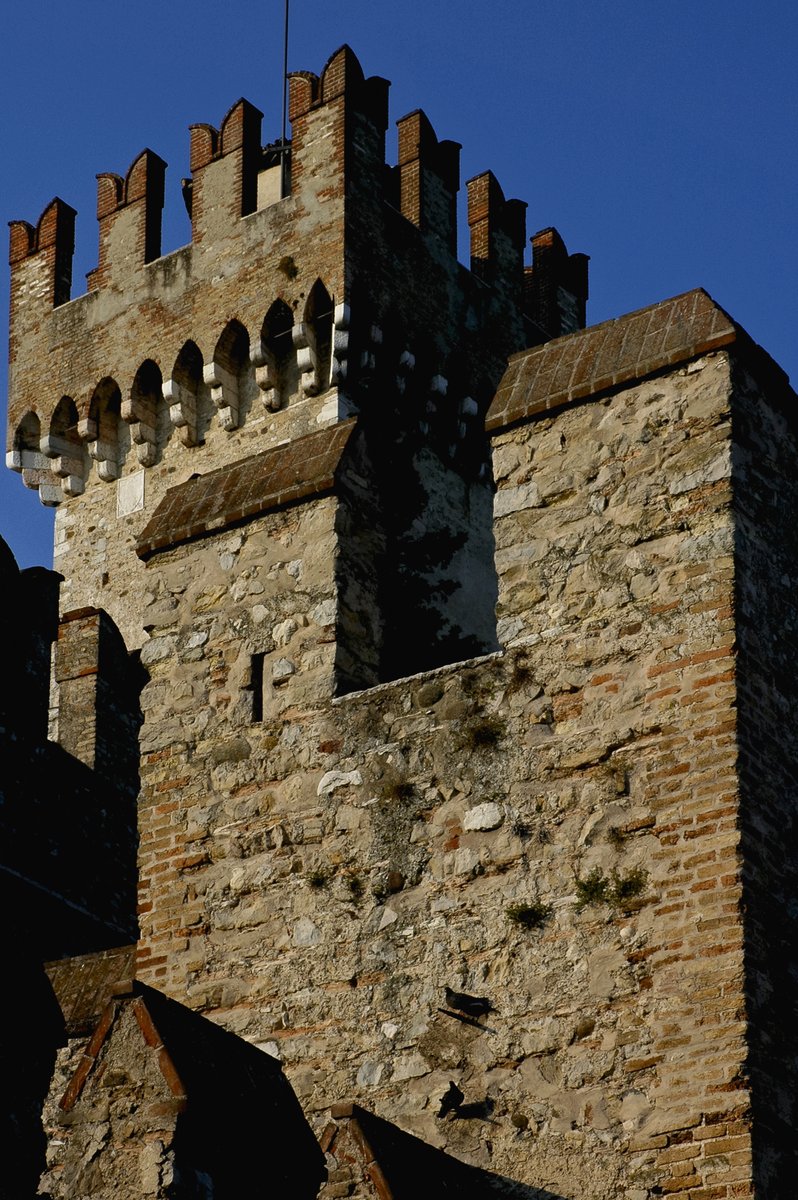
[28,433]
[313,340]
[182,393]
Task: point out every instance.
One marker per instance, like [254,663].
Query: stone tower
[462,689]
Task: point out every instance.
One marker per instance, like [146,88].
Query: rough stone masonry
[451,672]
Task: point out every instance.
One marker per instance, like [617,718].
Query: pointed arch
[25,445]
[313,340]
[101,429]
[64,446]
[223,373]
[181,392]
[273,354]
[140,411]
[25,456]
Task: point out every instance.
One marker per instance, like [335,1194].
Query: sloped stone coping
[283,475]
[624,350]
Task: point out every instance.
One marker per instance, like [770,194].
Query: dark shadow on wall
[765,498]
[240,1107]
[68,819]
[416,574]
[68,832]
[406,1168]
[31,1031]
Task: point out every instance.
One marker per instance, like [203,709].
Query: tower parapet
[319,283]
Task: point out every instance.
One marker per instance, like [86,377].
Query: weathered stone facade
[419,716]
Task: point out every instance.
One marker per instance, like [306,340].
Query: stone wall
[552,827]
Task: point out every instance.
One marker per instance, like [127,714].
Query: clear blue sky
[660,138]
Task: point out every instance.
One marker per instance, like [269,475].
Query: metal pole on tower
[283,133]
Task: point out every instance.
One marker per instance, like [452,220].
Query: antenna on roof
[283,139]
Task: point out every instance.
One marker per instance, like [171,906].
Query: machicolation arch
[285,359]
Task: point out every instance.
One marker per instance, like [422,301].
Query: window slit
[256,686]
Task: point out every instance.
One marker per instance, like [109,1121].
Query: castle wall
[588,820]
[314,880]
[68,833]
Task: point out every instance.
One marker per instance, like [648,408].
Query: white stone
[197,639]
[508,628]
[483,816]
[464,860]
[283,668]
[347,818]
[409,1066]
[711,472]
[338,779]
[259,613]
[157,649]
[338,408]
[370,1073]
[130,494]
[305,933]
[283,632]
[226,561]
[388,917]
[150,1161]
[324,613]
[271,1048]
[390,1030]
[514,499]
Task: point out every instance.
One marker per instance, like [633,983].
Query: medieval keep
[400,762]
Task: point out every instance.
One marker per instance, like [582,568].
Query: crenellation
[129,215]
[555,286]
[224,173]
[41,262]
[498,232]
[429,178]
[314,353]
